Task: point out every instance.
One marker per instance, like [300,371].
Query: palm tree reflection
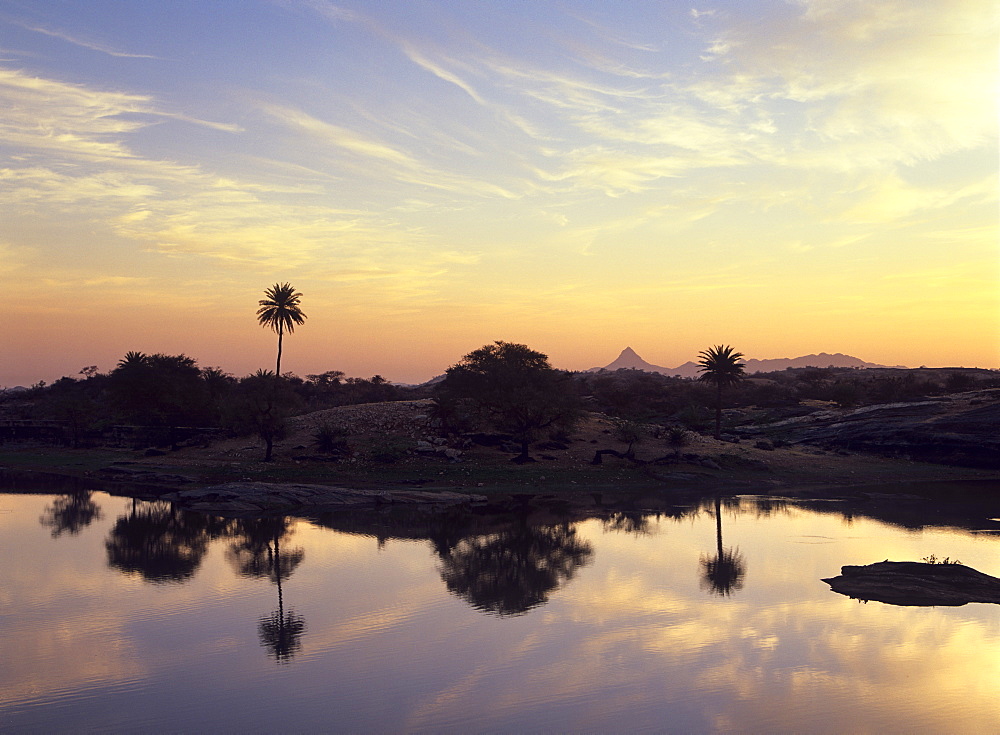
[70,513]
[257,552]
[513,571]
[280,633]
[722,574]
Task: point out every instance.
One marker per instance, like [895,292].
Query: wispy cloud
[225,127]
[340,137]
[440,72]
[40,114]
[83,43]
[614,36]
[396,164]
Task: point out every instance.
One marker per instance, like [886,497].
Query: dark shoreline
[123,473]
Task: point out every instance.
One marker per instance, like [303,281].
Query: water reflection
[257,552]
[70,513]
[501,565]
[160,542]
[515,570]
[281,633]
[629,644]
[256,549]
[631,521]
[722,574]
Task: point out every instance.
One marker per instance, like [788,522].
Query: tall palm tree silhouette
[721,366]
[722,573]
[280,311]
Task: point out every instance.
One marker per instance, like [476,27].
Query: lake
[126,615]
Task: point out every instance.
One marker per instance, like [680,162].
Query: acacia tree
[723,367]
[515,390]
[279,310]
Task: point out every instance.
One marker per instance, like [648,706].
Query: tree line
[501,387]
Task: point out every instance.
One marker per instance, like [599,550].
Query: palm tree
[279,310]
[722,366]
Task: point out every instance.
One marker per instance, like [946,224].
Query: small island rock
[916,583]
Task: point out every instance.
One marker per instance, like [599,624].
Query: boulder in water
[916,583]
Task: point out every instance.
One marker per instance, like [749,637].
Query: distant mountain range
[629,360]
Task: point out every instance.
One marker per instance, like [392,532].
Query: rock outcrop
[961,429]
[916,583]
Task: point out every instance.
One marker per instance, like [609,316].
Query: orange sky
[788,178]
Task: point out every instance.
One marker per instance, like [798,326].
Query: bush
[330,439]
[693,417]
[629,432]
[677,437]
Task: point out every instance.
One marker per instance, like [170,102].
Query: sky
[784,176]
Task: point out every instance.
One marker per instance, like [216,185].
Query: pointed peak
[629,360]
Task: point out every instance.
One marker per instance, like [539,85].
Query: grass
[62,461]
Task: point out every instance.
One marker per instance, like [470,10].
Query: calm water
[130,616]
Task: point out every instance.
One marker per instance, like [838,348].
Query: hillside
[392,446]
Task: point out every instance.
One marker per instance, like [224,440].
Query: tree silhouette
[722,573]
[261,404]
[159,390]
[515,390]
[70,513]
[511,572]
[257,553]
[721,366]
[279,310]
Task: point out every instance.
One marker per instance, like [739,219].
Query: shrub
[934,560]
[330,439]
[629,432]
[695,418]
[677,437]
